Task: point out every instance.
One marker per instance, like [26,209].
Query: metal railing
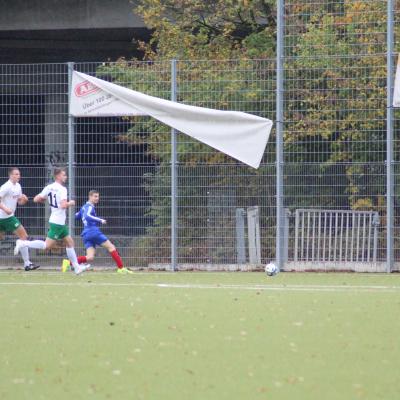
[336,236]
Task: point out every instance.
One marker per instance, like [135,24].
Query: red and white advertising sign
[240,135]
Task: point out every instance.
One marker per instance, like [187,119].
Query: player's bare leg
[90,253]
[21,233]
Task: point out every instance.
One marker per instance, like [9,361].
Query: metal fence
[170,200]
[337,121]
[332,236]
[161,210]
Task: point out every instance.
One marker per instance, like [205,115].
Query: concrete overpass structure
[41,31]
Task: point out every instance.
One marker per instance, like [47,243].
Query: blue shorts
[93,238]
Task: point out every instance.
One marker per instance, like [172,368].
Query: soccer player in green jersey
[57,196]
[11,195]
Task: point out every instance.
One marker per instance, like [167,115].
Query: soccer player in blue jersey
[92,235]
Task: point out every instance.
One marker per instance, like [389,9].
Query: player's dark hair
[57,171]
[93,192]
[12,169]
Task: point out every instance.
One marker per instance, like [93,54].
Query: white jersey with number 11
[55,193]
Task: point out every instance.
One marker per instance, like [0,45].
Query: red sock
[117,259]
[82,259]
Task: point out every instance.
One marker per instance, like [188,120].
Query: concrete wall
[16,15]
[52,31]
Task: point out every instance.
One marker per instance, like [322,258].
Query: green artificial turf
[199,336]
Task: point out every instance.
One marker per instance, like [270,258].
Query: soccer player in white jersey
[11,195]
[57,196]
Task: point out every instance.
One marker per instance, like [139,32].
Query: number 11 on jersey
[52,200]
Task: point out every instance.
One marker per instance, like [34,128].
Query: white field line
[283,288]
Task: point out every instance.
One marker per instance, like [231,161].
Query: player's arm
[22,200]
[39,198]
[78,215]
[42,196]
[3,206]
[67,203]
[90,217]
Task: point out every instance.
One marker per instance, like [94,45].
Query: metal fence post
[389,139]
[253,226]
[71,154]
[279,134]
[240,240]
[286,235]
[174,185]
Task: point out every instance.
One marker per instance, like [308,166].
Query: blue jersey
[91,234]
[88,216]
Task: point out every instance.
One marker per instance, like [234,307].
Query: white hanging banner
[396,94]
[240,135]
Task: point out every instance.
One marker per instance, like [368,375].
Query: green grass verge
[199,336]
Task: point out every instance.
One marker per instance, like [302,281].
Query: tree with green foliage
[336,83]
[209,30]
[229,33]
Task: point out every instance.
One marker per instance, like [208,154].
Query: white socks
[34,244]
[25,255]
[72,256]
[41,244]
